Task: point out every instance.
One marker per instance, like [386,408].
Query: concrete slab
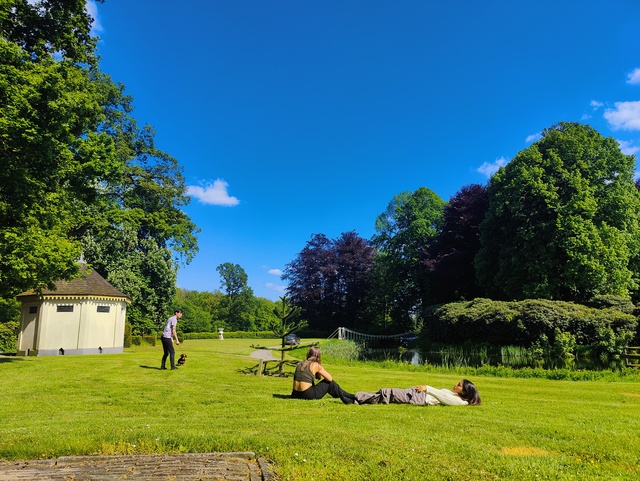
[241,466]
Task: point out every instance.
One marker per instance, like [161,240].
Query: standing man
[168,335]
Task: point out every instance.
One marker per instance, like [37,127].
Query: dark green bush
[480,320]
[9,336]
[610,344]
[136,340]
[609,301]
[150,340]
[314,333]
[127,335]
[523,323]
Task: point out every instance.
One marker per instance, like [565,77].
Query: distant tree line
[205,311]
[234,308]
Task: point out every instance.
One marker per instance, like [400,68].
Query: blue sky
[295,117]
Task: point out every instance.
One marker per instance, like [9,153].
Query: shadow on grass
[10,358]
[150,367]
[282,396]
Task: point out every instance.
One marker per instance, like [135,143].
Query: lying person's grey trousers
[392,396]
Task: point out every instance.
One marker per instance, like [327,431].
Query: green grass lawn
[116,404]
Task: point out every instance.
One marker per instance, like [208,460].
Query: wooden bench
[632,356]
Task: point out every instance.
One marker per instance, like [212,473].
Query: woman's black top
[304,375]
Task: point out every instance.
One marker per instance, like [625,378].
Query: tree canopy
[403,233]
[563,220]
[237,294]
[79,175]
[450,257]
[329,280]
[51,150]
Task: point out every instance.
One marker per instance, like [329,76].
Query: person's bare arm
[175,334]
[323,372]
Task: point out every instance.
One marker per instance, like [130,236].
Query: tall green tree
[403,232]
[140,268]
[78,173]
[136,234]
[53,155]
[238,296]
[48,28]
[563,220]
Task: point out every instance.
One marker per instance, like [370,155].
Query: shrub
[136,340]
[9,336]
[615,302]
[480,320]
[610,345]
[229,335]
[150,340]
[127,335]
[564,346]
[523,323]
[345,350]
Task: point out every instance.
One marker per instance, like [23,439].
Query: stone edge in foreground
[240,466]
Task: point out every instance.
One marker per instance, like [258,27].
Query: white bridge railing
[343,333]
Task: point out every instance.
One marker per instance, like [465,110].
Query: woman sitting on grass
[306,373]
[463,394]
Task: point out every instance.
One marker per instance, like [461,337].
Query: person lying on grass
[309,370]
[463,394]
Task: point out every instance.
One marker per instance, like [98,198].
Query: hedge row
[229,335]
[522,323]
[138,340]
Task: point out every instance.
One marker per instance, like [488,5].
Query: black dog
[182,360]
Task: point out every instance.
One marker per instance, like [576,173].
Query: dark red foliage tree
[450,258]
[329,280]
[354,256]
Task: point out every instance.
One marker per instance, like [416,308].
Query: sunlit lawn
[114,404]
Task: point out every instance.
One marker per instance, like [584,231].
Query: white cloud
[275,287]
[92,10]
[533,138]
[490,169]
[627,147]
[634,77]
[214,194]
[625,116]
[275,272]
[595,104]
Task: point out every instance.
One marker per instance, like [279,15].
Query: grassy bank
[525,429]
